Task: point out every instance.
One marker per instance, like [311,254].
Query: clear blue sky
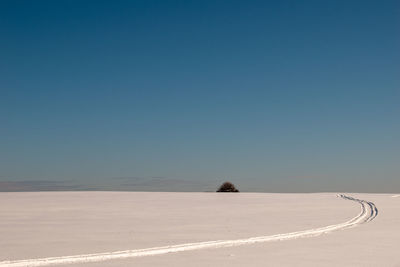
[279,96]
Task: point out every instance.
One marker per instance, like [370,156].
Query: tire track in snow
[367,214]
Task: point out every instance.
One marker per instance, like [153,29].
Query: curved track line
[368,213]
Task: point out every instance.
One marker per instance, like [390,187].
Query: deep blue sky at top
[274,95]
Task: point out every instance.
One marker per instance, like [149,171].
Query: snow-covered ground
[198,229]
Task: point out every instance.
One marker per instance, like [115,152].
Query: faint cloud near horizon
[40,185]
[154,183]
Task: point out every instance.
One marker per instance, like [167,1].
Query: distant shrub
[227,187]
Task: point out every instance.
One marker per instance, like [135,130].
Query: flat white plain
[173,217]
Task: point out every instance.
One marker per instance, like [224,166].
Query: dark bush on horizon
[227,187]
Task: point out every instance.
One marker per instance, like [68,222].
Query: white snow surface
[46,229]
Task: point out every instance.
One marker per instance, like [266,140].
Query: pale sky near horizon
[277,96]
